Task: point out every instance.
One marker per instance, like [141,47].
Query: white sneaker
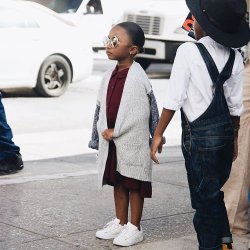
[129,236]
[110,230]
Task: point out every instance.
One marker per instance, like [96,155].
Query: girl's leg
[121,197]
[136,206]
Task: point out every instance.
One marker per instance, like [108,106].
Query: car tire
[145,63]
[54,77]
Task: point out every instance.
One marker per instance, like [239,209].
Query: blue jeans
[208,153]
[7,146]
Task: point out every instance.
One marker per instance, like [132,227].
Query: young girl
[206,84]
[125,116]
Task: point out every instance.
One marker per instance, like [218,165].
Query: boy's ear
[133,50]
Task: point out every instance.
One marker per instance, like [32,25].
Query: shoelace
[109,223]
[124,232]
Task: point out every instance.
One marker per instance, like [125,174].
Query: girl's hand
[108,134]
[157,144]
[235,148]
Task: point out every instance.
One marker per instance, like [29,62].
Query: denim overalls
[7,146]
[207,145]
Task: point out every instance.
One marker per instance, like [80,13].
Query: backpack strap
[212,68]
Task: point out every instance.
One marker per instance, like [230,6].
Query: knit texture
[94,142]
[137,110]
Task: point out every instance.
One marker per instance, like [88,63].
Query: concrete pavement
[187,243]
[54,204]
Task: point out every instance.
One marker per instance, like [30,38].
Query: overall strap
[211,66]
[227,70]
[217,77]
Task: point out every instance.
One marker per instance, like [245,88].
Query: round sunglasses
[112,42]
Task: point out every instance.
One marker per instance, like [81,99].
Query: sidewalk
[55,204]
[188,243]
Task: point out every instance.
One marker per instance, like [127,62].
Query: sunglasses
[112,42]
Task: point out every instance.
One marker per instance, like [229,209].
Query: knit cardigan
[137,118]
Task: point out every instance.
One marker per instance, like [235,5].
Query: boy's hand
[158,140]
[156,146]
[108,134]
[236,126]
[235,148]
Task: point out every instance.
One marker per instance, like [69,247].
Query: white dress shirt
[190,86]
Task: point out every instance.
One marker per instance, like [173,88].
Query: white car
[100,14]
[40,50]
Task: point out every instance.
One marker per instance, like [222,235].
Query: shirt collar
[207,40]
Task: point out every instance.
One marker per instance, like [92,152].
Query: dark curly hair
[136,34]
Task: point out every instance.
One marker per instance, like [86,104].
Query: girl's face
[198,31]
[122,45]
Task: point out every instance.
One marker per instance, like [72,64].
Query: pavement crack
[52,238]
[79,232]
[63,241]
[26,230]
[168,216]
[29,241]
[174,161]
[148,219]
[44,237]
[172,184]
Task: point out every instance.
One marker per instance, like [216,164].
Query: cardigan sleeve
[94,142]
[154,113]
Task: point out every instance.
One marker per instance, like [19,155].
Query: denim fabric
[207,145]
[7,146]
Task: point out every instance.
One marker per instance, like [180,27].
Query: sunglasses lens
[111,42]
[114,41]
[105,41]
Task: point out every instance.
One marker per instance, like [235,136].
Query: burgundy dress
[111,176]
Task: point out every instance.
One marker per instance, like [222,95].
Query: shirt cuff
[171,105]
[236,111]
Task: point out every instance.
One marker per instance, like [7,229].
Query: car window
[94,7]
[71,6]
[61,6]
[47,18]
[11,18]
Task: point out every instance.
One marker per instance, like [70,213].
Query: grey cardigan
[137,118]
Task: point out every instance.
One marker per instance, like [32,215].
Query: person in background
[10,157]
[237,188]
[125,116]
[206,84]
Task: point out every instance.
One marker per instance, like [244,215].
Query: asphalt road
[28,113]
[54,127]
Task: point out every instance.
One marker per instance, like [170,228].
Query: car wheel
[54,77]
[143,62]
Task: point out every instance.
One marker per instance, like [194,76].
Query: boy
[211,104]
